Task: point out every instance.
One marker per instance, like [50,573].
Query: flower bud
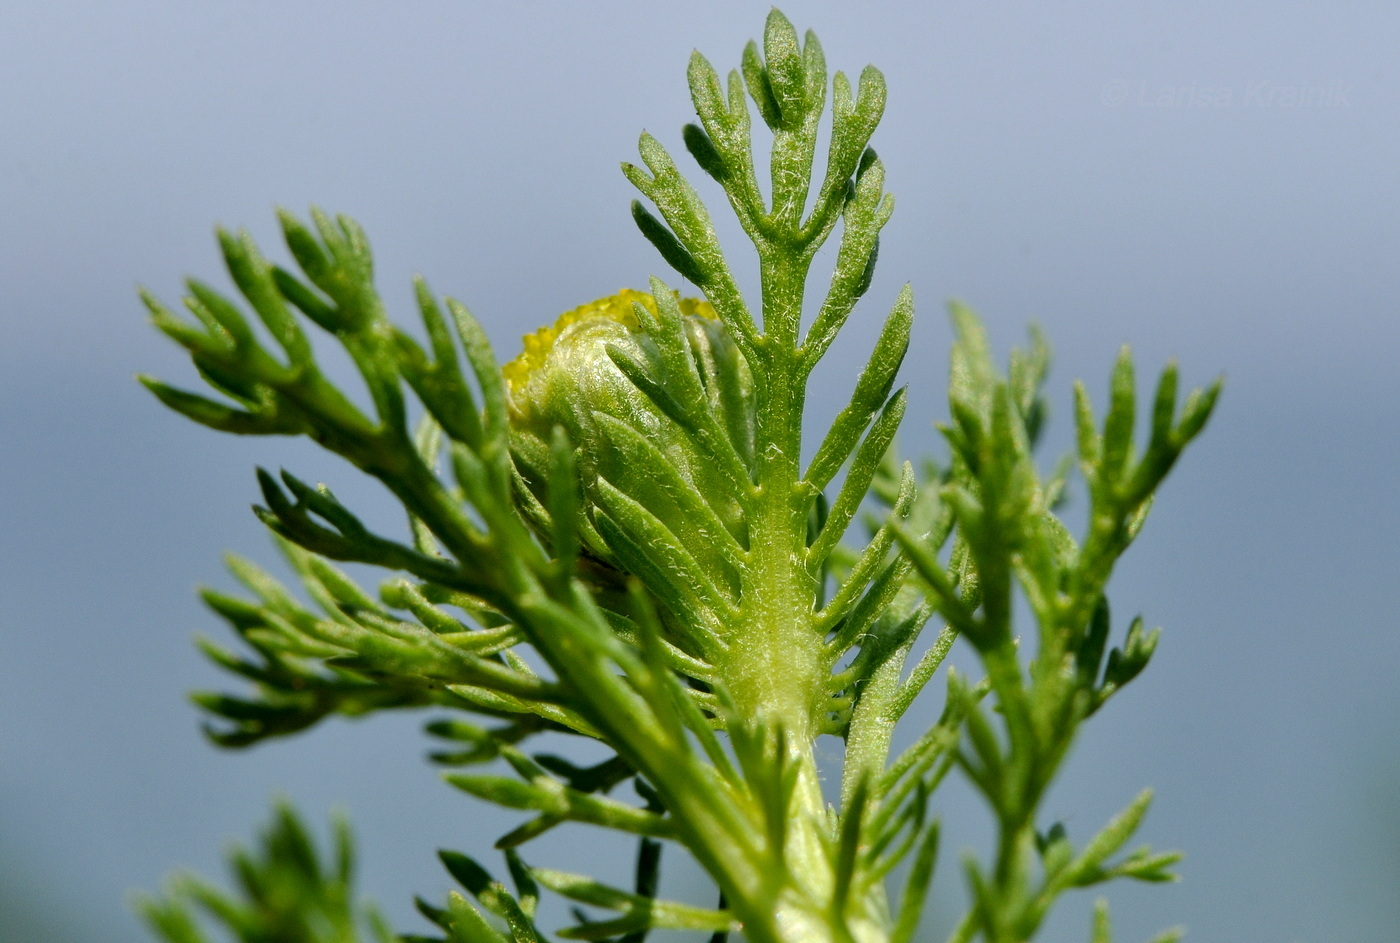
[566,377]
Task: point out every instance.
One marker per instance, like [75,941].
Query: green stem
[775,655]
[774,668]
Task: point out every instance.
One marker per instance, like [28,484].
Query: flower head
[614,309]
[568,376]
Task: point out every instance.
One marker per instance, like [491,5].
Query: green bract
[621,537]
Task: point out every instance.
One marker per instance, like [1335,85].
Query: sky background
[1211,182]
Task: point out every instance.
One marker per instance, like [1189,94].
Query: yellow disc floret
[616,308]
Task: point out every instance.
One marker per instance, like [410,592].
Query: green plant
[624,543]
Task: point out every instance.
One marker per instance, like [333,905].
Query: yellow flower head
[614,308]
[568,377]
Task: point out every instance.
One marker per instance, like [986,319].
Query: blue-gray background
[1212,182]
